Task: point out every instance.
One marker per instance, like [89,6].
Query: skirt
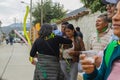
[47,68]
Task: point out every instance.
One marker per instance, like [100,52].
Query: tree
[94,5]
[51,11]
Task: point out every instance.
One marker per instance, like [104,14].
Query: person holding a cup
[110,68]
[69,62]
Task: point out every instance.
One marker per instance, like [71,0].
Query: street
[14,63]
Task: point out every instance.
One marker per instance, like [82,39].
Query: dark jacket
[41,46]
[79,46]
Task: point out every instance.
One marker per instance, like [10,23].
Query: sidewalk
[14,63]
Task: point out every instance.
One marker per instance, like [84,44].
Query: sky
[14,10]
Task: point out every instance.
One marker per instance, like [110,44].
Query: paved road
[14,63]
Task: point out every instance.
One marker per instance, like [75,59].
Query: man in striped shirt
[101,38]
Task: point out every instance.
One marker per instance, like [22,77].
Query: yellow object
[119,42]
[24,25]
[31,59]
[37,26]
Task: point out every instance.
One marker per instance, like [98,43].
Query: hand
[87,66]
[72,52]
[31,59]
[98,60]
[33,62]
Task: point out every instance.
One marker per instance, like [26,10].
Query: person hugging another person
[46,47]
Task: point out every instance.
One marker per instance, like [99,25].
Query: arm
[63,40]
[33,50]
[79,46]
[96,74]
[82,44]
[33,53]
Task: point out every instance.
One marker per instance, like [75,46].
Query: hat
[110,1]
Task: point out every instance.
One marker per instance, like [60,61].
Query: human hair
[54,26]
[45,31]
[12,31]
[71,27]
[65,23]
[104,17]
[78,29]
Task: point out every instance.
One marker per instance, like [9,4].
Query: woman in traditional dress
[46,47]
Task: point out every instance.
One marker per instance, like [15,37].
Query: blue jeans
[72,74]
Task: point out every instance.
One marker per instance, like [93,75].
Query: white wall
[87,26]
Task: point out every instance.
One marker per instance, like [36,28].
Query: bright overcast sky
[11,9]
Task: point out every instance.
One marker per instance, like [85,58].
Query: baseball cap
[110,1]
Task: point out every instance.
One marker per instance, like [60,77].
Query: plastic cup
[89,55]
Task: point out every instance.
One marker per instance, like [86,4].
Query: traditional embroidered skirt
[47,68]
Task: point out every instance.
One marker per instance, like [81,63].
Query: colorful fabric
[47,68]
[109,51]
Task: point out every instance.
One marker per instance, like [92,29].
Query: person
[63,25]
[69,63]
[110,8]
[99,40]
[7,39]
[21,41]
[47,46]
[79,32]
[11,37]
[109,69]
[56,31]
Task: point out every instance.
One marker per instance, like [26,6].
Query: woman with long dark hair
[47,47]
[69,64]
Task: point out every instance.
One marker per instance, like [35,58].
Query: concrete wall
[87,26]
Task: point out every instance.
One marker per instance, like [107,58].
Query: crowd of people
[58,52]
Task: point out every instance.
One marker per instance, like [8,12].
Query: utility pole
[30,18]
[1,27]
[15,22]
[41,12]
[0,35]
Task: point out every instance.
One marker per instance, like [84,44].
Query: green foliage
[94,5]
[51,11]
